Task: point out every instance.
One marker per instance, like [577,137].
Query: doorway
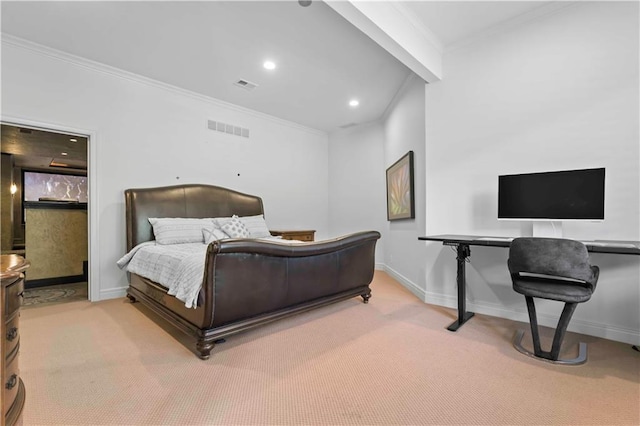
[45,186]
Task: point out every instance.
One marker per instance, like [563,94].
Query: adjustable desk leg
[464,251]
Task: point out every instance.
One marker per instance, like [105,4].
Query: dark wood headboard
[192,200]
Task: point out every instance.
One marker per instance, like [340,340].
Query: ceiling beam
[392,27]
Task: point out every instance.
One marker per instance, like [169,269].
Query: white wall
[560,92]
[147,134]
[358,159]
[404,130]
[356,182]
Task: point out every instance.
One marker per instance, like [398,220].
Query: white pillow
[177,230]
[235,228]
[213,234]
[256,225]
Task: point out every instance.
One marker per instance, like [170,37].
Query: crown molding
[419,26]
[10,40]
[532,15]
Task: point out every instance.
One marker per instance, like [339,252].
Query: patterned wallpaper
[56,242]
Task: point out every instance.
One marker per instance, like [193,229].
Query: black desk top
[594,246]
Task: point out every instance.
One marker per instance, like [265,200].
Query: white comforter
[178,267]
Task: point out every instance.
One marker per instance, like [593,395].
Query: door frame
[93,287]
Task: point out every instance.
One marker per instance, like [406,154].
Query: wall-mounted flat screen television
[44,186]
[556,196]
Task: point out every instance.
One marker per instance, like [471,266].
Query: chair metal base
[580,359]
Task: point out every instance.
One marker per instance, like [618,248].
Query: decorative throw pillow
[235,228]
[256,225]
[218,222]
[177,230]
[213,234]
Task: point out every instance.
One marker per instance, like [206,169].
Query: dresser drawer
[11,337]
[10,385]
[14,294]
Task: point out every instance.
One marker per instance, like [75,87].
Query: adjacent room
[356,187]
[46,176]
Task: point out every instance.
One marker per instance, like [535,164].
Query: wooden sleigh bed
[247,282]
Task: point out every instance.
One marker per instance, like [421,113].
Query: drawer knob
[13,380]
[12,333]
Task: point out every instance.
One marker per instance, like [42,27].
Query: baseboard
[406,282]
[576,325]
[45,282]
[113,293]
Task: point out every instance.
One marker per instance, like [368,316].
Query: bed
[245,282]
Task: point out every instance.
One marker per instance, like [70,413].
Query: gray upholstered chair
[554,269]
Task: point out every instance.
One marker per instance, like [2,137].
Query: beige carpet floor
[389,362]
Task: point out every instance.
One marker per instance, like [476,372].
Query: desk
[463,244]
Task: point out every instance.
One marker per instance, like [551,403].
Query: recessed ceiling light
[270,65]
[63,153]
[73,140]
[354,103]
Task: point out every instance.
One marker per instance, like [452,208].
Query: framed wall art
[400,197]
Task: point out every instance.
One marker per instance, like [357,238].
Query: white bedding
[178,267]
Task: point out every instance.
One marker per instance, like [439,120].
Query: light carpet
[390,362]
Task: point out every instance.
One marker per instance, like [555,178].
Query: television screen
[561,195]
[51,187]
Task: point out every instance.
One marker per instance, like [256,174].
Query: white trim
[406,282]
[126,75]
[113,293]
[419,26]
[440,299]
[548,9]
[92,207]
[576,325]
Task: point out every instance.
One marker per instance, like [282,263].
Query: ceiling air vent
[246,84]
[228,128]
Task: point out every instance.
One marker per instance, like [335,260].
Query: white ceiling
[205,46]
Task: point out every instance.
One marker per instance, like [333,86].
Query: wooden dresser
[11,288]
[300,235]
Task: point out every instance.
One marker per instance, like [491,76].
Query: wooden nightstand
[299,234]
